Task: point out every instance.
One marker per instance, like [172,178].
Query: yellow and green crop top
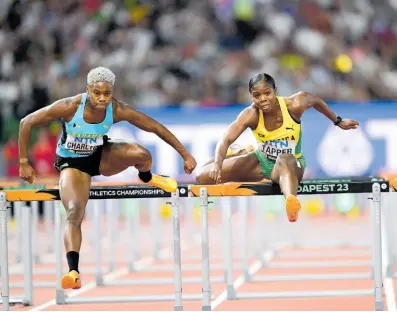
[285,140]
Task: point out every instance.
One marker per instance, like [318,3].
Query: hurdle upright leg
[377,249]
[60,295]
[112,207]
[177,251]
[34,205]
[154,206]
[4,252]
[133,230]
[243,210]
[205,254]
[18,223]
[48,215]
[227,214]
[27,255]
[97,235]
[388,234]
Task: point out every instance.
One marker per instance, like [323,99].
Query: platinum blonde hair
[100,74]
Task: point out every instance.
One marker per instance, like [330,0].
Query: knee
[74,213]
[202,177]
[286,161]
[139,153]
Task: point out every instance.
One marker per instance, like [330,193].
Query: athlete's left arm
[124,112]
[307,100]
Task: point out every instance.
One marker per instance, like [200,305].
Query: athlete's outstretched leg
[118,156]
[74,188]
[287,173]
[242,168]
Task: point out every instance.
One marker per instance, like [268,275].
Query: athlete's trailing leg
[118,156]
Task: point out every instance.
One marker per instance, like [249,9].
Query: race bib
[273,149]
[82,146]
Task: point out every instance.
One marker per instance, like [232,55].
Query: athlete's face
[100,95]
[264,96]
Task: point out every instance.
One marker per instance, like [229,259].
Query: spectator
[43,156]
[188,52]
[11,156]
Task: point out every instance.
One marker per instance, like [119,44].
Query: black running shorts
[89,164]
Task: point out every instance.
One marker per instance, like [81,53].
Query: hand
[347,124]
[189,163]
[216,173]
[27,173]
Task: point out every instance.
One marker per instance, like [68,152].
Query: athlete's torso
[81,139]
[286,139]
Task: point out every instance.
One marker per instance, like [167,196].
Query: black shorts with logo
[89,164]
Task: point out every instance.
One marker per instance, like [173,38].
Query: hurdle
[374,186]
[97,195]
[390,231]
[26,243]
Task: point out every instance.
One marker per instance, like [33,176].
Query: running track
[43,298]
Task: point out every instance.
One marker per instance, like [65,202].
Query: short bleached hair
[100,74]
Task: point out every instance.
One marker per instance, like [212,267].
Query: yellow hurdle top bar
[308,186]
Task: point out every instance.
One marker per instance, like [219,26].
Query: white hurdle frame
[377,188]
[172,199]
[376,265]
[26,255]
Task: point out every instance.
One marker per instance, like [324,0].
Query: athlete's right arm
[244,120]
[57,110]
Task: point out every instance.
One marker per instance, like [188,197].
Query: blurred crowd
[194,52]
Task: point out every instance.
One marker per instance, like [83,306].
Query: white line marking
[387,281]
[253,269]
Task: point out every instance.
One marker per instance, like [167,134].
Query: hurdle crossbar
[96,193]
[374,186]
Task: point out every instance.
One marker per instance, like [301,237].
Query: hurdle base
[126,299]
[306,294]
[393,274]
[131,268]
[318,264]
[160,281]
[311,277]
[35,285]
[206,308]
[247,276]
[389,271]
[15,301]
[99,280]
[178,308]
[231,292]
[60,297]
[379,306]
[45,271]
[188,267]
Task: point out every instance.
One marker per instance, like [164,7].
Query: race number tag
[273,149]
[83,146]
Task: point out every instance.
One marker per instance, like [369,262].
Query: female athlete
[84,150]
[276,124]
